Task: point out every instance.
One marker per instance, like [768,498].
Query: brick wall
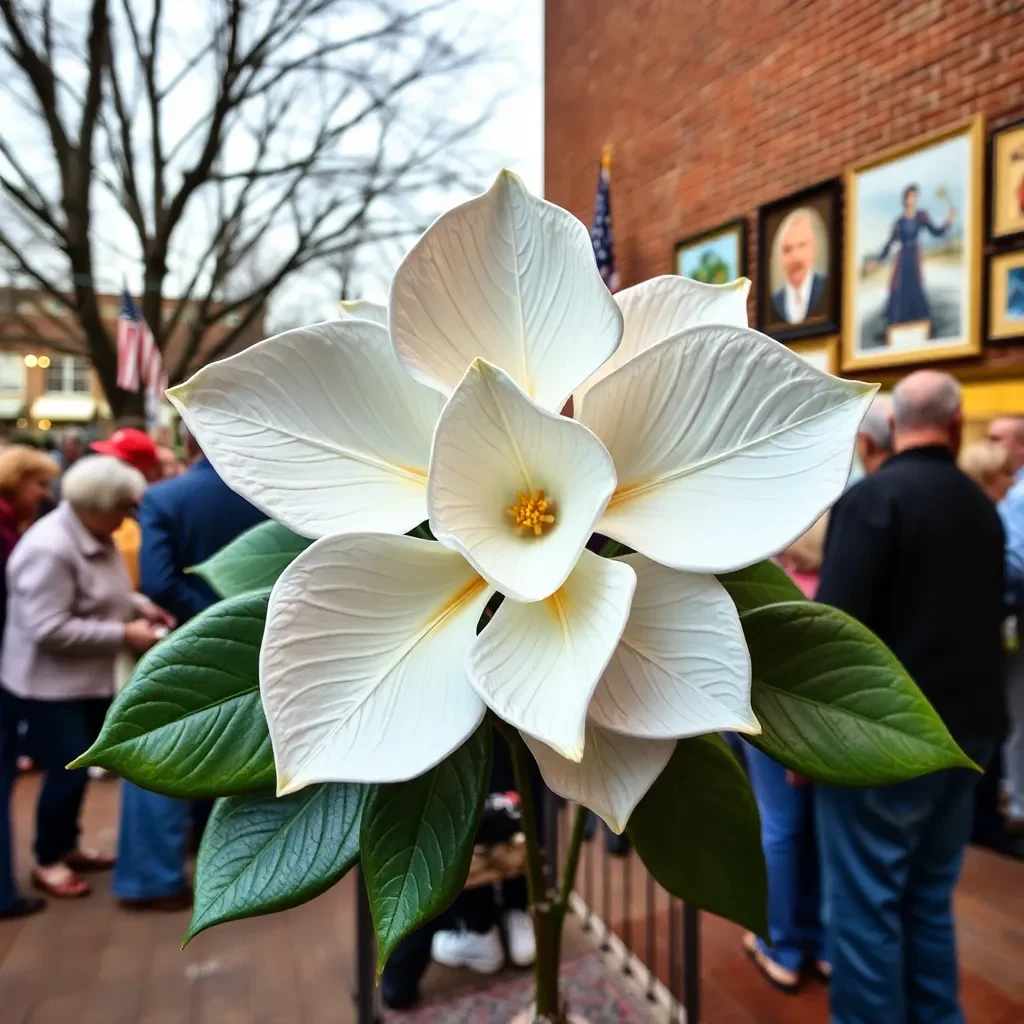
[714,108]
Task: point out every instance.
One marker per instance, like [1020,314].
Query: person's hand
[141,634]
[796,780]
[870,266]
[154,613]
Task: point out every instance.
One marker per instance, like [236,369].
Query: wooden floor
[89,962]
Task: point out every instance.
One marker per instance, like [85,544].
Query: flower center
[531,512]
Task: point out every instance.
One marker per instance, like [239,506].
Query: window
[12,371]
[68,375]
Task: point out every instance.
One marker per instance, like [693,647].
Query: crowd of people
[94,548]
[927,550]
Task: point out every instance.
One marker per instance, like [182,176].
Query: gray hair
[100,483]
[926,398]
[876,424]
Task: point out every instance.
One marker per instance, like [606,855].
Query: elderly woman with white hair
[71,611]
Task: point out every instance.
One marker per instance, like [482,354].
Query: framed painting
[1006,297]
[799,263]
[822,353]
[1006,182]
[912,259]
[714,257]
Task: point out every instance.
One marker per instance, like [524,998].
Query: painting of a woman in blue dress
[908,302]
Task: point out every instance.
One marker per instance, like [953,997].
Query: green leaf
[417,841]
[253,560]
[759,584]
[835,704]
[261,854]
[190,723]
[699,835]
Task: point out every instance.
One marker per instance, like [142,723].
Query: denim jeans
[891,857]
[60,730]
[790,852]
[152,845]
[10,714]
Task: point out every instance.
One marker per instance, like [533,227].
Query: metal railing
[643,931]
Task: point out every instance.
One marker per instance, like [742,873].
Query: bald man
[915,551]
[804,287]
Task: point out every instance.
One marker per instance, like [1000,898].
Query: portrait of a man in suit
[803,287]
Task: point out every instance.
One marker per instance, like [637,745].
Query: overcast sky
[513,139]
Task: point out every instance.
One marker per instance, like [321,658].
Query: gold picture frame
[923,304]
[1006,187]
[1006,296]
[820,352]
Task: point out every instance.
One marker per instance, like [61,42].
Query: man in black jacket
[915,552]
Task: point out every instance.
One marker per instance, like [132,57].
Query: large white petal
[615,773]
[727,446]
[512,279]
[536,665]
[491,443]
[362,670]
[320,427]
[663,306]
[363,309]
[681,667]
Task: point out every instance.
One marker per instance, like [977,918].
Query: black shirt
[915,552]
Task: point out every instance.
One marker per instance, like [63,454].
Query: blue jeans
[891,858]
[61,730]
[787,835]
[152,845]
[10,715]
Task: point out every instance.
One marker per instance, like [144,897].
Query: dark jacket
[184,521]
[915,551]
[818,283]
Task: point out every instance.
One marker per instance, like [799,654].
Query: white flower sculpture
[701,444]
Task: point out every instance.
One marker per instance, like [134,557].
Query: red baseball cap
[133,446]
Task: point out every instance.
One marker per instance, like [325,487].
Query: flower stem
[572,859]
[546,918]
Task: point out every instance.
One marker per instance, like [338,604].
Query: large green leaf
[253,560]
[190,723]
[835,704]
[261,854]
[698,833]
[417,841]
[759,584]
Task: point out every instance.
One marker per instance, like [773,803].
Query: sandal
[89,860]
[785,980]
[61,885]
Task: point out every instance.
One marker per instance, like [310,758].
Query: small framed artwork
[799,263]
[1006,197]
[714,257]
[822,353]
[912,259]
[1006,297]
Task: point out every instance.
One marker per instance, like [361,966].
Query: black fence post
[691,963]
[366,981]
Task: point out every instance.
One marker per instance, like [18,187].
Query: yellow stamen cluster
[531,512]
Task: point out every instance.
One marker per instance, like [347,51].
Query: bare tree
[222,148]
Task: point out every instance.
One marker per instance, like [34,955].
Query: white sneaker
[522,945]
[480,953]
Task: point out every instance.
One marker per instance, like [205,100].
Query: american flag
[139,364]
[601,229]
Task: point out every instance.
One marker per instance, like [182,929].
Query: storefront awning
[10,408]
[64,408]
